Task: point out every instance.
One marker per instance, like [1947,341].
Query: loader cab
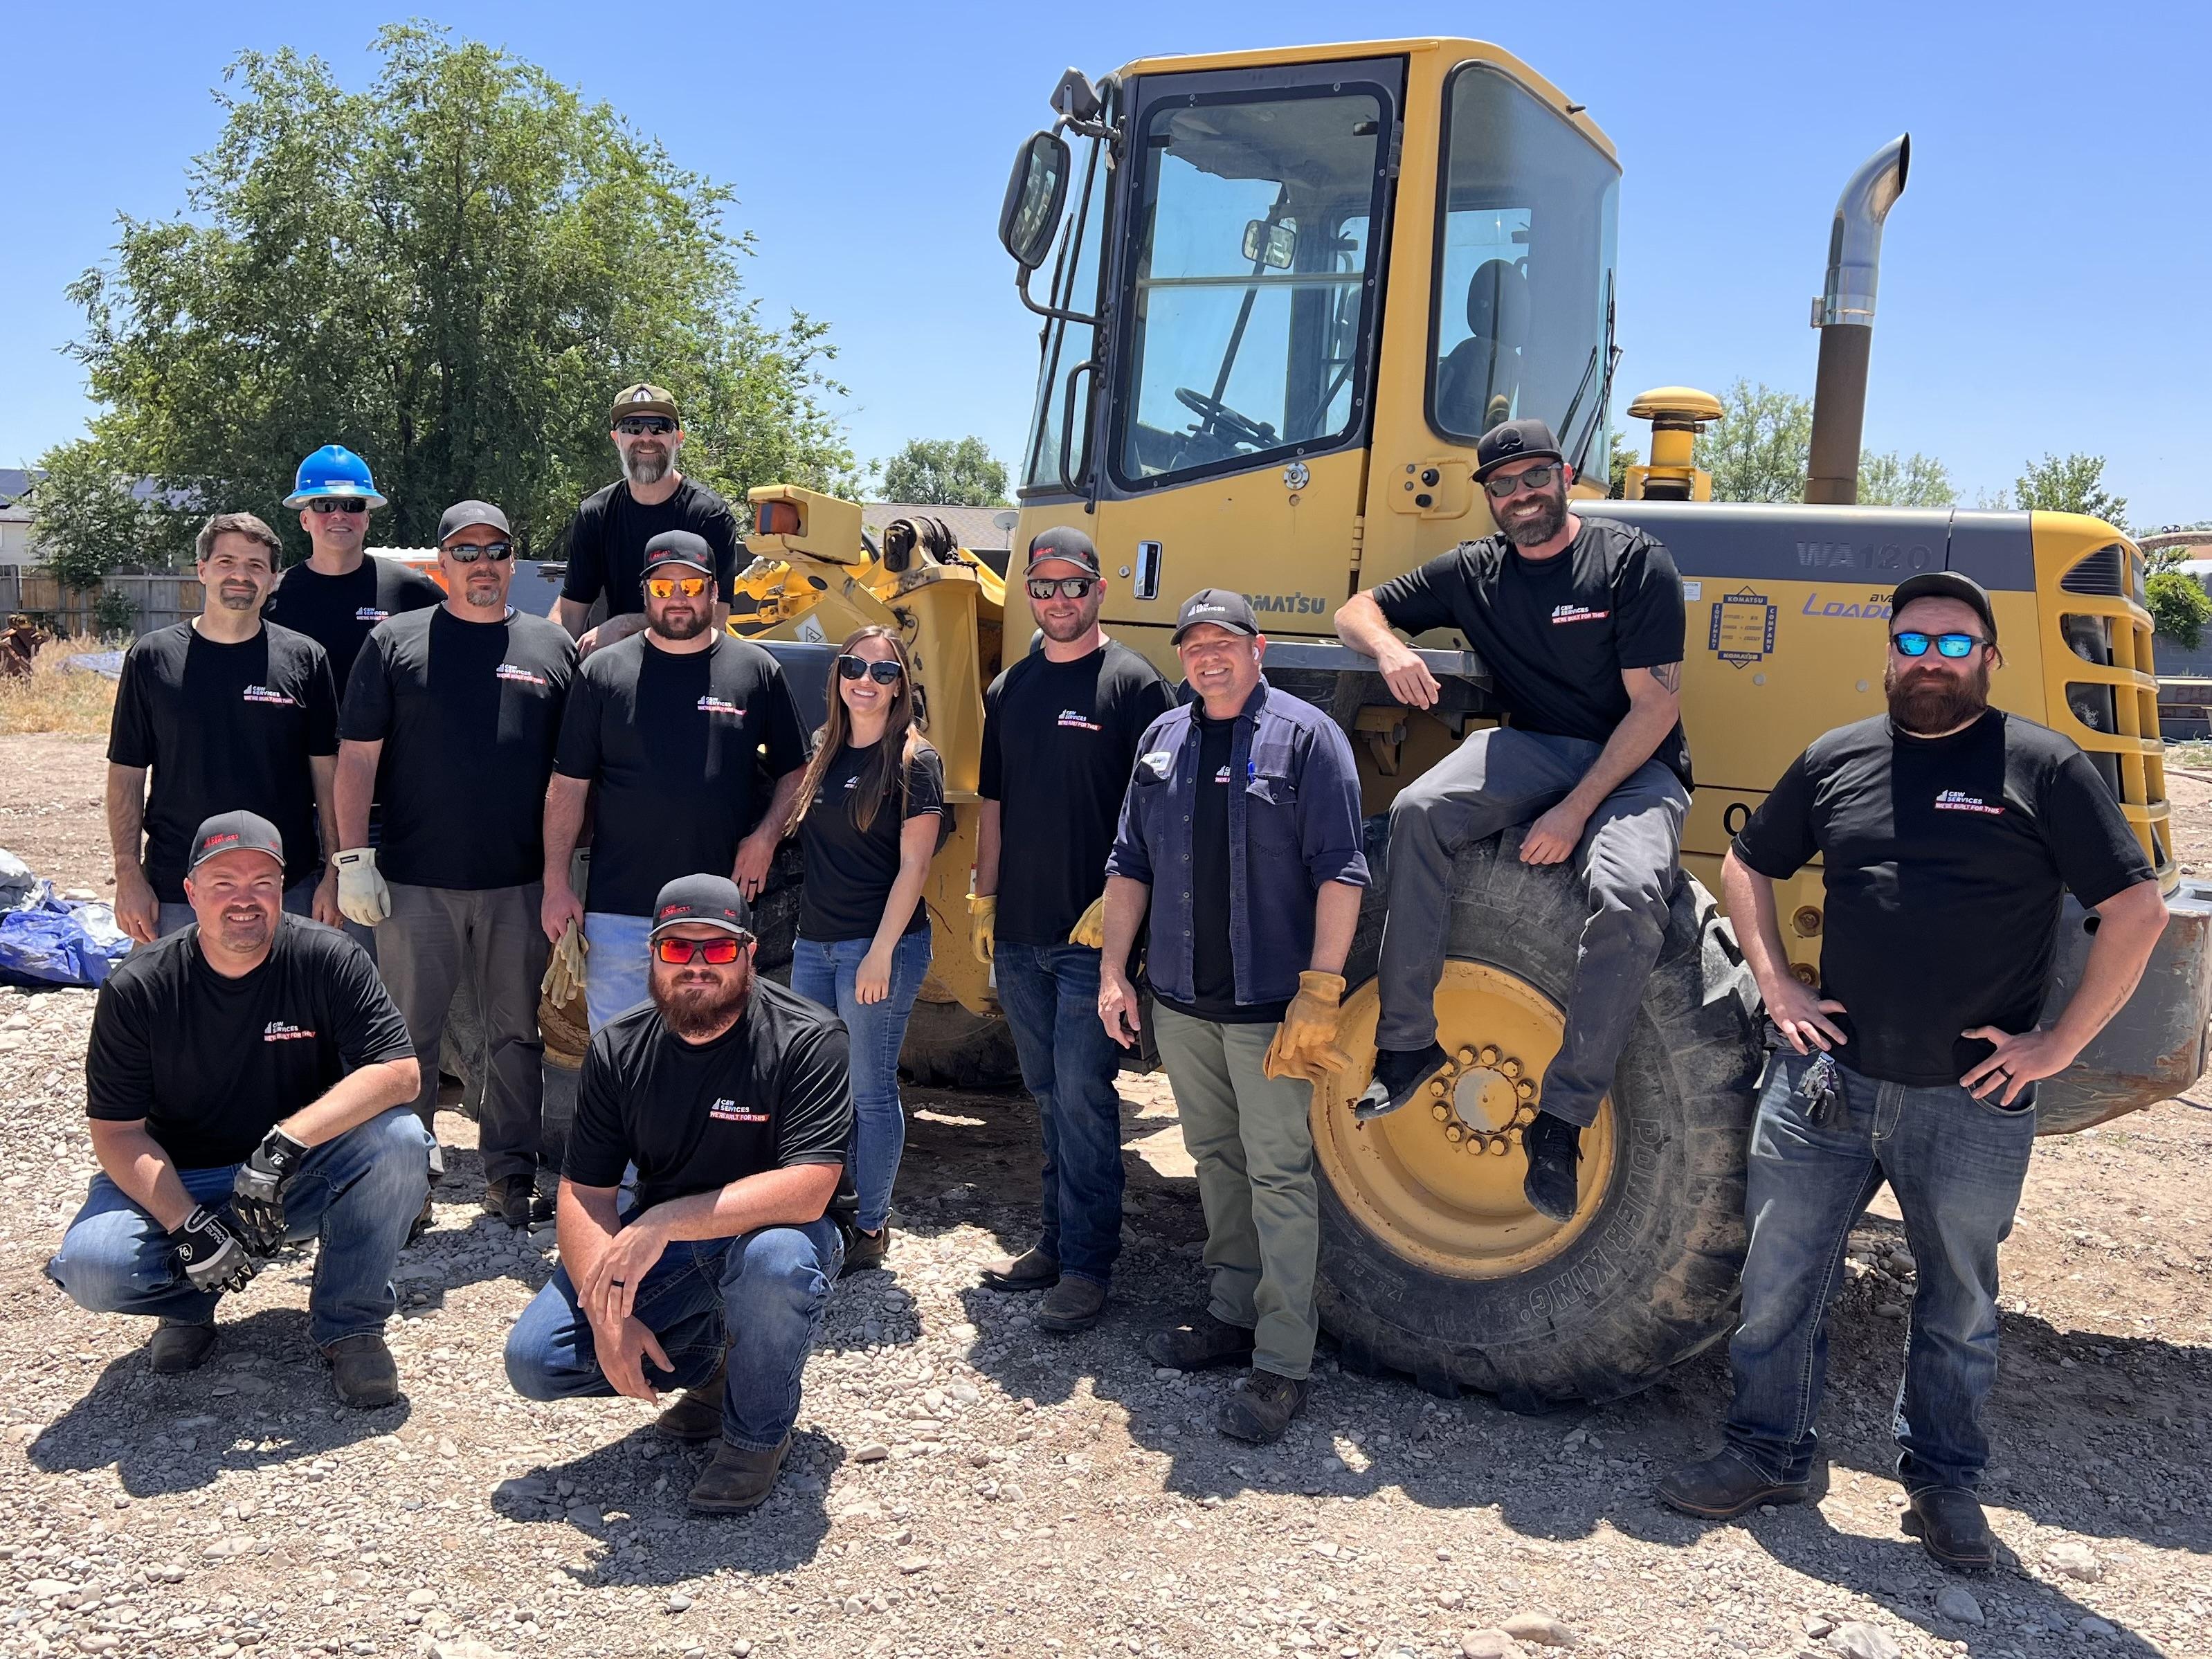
[1284,294]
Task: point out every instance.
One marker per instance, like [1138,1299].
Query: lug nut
[1497,1148]
[1489,1056]
[1511,1068]
[1440,1111]
[1454,1133]
[1438,1088]
[1466,1056]
[1525,1088]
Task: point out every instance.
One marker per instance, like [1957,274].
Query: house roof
[14,482]
[977,527]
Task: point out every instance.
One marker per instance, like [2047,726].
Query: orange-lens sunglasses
[662,588]
[721,952]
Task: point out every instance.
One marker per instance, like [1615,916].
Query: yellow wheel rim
[1439,1180]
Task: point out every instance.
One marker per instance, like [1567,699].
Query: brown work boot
[179,1346]
[697,1413]
[1723,1486]
[738,1480]
[1072,1305]
[1263,1407]
[508,1198]
[866,1250]
[1032,1270]
[363,1374]
[1199,1342]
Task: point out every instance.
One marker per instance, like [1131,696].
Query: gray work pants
[1626,858]
[432,938]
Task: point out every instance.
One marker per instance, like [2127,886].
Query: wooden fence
[157,600]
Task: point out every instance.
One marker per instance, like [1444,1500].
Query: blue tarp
[108,664]
[44,940]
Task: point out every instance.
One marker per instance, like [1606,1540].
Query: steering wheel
[1237,428]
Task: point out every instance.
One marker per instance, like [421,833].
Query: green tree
[2070,484]
[1617,465]
[450,272]
[88,517]
[1759,448]
[945,472]
[2178,606]
[1916,480]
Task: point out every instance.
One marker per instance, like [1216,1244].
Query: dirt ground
[962,1484]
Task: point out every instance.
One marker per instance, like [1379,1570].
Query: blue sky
[2040,282]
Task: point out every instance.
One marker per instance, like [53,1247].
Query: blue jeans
[761,1295]
[1050,996]
[299,900]
[822,970]
[1956,1164]
[359,1192]
[615,964]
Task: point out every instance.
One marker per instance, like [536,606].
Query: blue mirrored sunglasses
[1948,645]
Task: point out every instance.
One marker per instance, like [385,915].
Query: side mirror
[1034,195]
[1273,245]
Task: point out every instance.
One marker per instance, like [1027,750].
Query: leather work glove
[1091,926]
[564,969]
[210,1252]
[983,925]
[362,896]
[1305,1043]
[256,1192]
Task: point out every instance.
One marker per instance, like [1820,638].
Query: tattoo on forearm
[1669,674]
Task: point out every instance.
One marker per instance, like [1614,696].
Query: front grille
[2102,572]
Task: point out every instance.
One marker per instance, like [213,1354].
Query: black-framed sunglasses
[882,673]
[644,426]
[1537,478]
[337,504]
[1067,588]
[1912,643]
[470,552]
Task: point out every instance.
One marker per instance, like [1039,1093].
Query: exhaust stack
[1844,315]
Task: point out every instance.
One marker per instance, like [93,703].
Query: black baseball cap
[683,547]
[1221,606]
[235,832]
[461,515]
[1947,585]
[1064,541]
[713,901]
[1514,441]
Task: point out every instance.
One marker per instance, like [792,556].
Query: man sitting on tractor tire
[1579,622]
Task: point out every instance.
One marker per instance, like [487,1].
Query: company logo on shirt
[277,1030]
[1957,801]
[1221,775]
[1575,613]
[728,1111]
[711,704]
[1078,722]
[369,613]
[508,672]
[268,695]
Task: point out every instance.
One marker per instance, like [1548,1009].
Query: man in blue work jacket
[1244,811]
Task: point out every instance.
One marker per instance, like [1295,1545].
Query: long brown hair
[902,730]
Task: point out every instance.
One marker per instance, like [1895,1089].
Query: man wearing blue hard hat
[340,593]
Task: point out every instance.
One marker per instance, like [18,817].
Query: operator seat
[1478,379]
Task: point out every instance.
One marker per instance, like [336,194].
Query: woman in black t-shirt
[870,810]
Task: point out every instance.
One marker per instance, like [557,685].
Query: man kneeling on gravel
[732,1097]
[247,1081]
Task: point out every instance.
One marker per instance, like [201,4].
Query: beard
[243,933]
[670,626]
[482,592]
[1926,700]
[237,596]
[1534,528]
[644,466]
[1063,631]
[697,1009]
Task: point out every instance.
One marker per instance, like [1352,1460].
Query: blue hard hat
[333,470]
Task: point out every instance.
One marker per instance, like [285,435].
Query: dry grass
[56,699]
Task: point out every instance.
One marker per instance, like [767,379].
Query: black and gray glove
[257,1193]
[210,1253]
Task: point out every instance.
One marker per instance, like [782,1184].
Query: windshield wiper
[1607,352]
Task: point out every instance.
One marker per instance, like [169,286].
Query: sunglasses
[470,552]
[882,673]
[721,952]
[337,504]
[1067,588]
[642,426]
[666,587]
[1949,645]
[1537,478]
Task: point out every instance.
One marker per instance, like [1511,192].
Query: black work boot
[508,1198]
[362,1372]
[738,1480]
[179,1346]
[697,1413]
[420,1225]
[1199,1342]
[1952,1529]
[1554,1146]
[1072,1305]
[1032,1270]
[1398,1075]
[866,1250]
[1263,1407]
[1723,1486]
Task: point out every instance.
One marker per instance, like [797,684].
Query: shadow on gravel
[264,1398]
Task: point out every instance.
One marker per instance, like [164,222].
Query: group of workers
[254,1078]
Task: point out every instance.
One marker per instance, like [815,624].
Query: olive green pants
[1252,1142]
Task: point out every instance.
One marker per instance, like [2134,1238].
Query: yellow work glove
[1305,1043]
[564,970]
[1091,926]
[983,925]
[362,896]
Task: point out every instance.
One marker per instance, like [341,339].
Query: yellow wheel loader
[1283,293]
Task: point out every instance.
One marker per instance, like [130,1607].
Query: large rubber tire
[950,1047]
[1653,1277]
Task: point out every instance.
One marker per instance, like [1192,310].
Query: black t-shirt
[468,713]
[850,871]
[211,1063]
[338,612]
[1213,965]
[1943,861]
[674,742]
[1060,739]
[772,1092]
[1556,634]
[606,542]
[224,727]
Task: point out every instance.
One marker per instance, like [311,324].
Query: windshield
[1249,291]
[1524,268]
[1067,345]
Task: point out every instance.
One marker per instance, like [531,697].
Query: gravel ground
[962,1485]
